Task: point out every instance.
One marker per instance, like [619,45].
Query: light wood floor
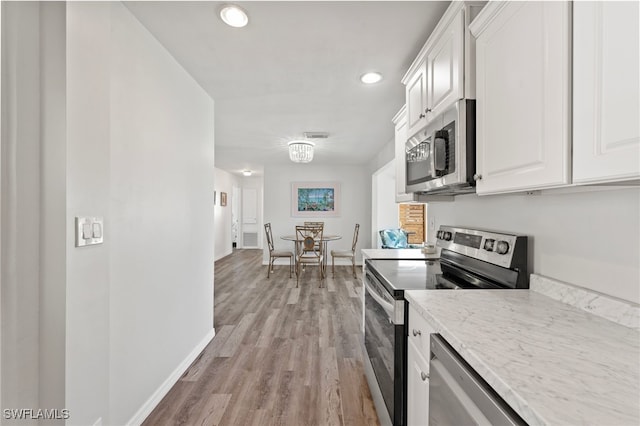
[281,355]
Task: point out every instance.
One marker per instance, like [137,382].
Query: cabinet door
[400,122]
[523,86]
[416,100]
[444,68]
[606,91]
[417,387]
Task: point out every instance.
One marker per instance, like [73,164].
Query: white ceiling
[296,68]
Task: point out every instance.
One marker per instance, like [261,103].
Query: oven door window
[379,340]
[419,163]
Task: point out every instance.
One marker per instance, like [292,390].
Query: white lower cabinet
[417,387]
[418,354]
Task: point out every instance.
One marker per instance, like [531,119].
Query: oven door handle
[388,307]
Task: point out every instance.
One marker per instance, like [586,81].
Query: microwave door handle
[440,150]
[432,158]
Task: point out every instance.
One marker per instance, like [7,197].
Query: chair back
[309,239]
[355,237]
[314,224]
[267,230]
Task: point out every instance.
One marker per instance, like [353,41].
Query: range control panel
[506,250]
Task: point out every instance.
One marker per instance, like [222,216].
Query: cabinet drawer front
[419,333]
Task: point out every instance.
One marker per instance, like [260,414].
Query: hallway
[281,355]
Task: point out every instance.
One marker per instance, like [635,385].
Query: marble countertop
[398,254]
[551,362]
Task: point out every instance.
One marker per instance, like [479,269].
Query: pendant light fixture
[301,151]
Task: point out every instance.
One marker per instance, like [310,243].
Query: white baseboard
[164,388]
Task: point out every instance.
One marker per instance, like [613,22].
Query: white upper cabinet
[416,89]
[400,123]
[606,91]
[436,79]
[444,68]
[523,96]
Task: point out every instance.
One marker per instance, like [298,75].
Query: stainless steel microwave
[441,158]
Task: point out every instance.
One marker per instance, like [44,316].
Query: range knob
[439,235]
[489,244]
[502,247]
[446,236]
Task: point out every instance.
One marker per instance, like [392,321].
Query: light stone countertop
[551,362]
[404,254]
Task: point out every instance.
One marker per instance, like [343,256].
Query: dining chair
[315,224]
[275,254]
[346,253]
[309,249]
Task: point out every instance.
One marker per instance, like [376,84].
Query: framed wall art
[315,199]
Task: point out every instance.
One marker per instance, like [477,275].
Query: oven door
[385,344]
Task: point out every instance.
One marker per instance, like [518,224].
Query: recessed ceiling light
[247,173]
[234,15]
[371,77]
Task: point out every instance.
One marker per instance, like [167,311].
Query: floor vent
[250,239]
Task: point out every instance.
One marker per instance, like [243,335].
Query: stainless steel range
[469,259]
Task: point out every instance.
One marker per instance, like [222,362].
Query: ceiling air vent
[316,135]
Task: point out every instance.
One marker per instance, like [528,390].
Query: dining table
[325,240]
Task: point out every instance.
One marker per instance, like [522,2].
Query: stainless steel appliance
[441,158]
[469,259]
[459,396]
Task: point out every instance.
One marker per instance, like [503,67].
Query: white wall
[88,137]
[20,204]
[384,207]
[99,120]
[589,239]
[162,181]
[225,182]
[355,187]
[53,212]
[387,153]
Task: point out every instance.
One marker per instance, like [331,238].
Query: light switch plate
[89,230]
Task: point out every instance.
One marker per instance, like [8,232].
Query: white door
[523,104]
[235,216]
[250,218]
[606,91]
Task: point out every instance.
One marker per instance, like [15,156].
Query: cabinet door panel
[416,100]
[417,387]
[606,91]
[523,98]
[444,73]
